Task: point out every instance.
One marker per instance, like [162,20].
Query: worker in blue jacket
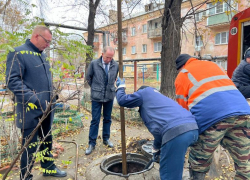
[173,127]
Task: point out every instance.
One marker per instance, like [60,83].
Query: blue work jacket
[164,118]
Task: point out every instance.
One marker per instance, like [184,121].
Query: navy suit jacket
[28,76]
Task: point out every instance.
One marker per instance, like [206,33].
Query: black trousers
[245,91]
[26,159]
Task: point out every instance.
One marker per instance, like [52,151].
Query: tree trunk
[171,47]
[91,27]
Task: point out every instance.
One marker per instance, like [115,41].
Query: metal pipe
[69,27]
[77,154]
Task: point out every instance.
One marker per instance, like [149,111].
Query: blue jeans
[173,155]
[96,115]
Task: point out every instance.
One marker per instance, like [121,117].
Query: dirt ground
[135,131]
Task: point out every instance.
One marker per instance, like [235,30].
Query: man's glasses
[47,41]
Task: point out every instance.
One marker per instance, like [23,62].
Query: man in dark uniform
[28,76]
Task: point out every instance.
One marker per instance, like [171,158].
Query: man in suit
[101,76]
[29,78]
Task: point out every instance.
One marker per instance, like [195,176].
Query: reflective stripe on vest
[209,92]
[181,97]
[197,84]
[203,81]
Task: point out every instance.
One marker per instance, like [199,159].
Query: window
[144,48]
[157,47]
[230,5]
[221,38]
[124,36]
[132,68]
[198,16]
[156,25]
[144,28]
[123,51]
[222,63]
[133,50]
[221,7]
[198,43]
[124,68]
[133,31]
[96,38]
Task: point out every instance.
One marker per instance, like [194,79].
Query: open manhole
[135,164]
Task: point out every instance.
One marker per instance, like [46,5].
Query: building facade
[204,32]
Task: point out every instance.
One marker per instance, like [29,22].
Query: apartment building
[142,32]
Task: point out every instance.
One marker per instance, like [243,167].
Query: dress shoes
[57,173]
[108,143]
[89,149]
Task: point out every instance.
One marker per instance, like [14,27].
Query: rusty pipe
[77,154]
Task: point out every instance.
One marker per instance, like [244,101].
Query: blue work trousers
[173,155]
[96,115]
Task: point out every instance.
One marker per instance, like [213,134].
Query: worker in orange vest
[221,112]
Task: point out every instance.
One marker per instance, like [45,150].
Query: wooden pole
[123,138]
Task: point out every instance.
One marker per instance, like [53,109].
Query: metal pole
[77,154]
[119,20]
[157,72]
[135,76]
[143,73]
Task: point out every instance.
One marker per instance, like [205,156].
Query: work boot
[194,175]
[57,173]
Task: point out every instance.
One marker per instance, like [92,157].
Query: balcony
[155,33]
[219,19]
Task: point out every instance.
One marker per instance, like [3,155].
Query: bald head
[108,48]
[39,29]
[41,37]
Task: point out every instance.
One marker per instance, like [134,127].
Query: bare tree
[171,46]
[91,22]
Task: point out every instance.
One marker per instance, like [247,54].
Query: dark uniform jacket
[28,76]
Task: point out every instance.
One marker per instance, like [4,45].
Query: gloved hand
[156,154]
[120,83]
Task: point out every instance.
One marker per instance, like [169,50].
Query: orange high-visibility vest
[199,79]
